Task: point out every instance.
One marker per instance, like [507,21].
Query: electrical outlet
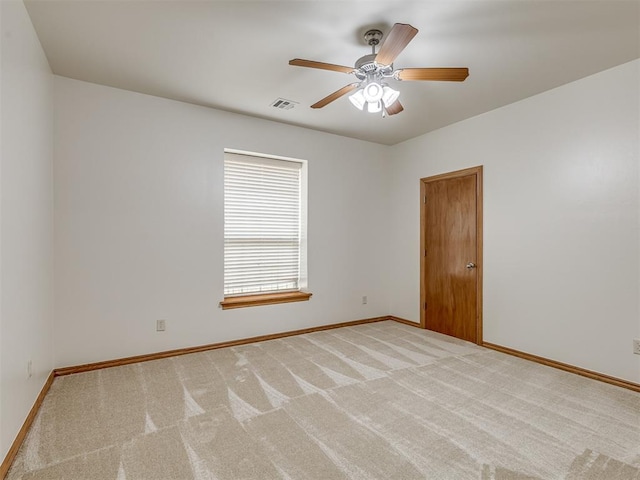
[636,346]
[161,325]
[364,299]
[29,369]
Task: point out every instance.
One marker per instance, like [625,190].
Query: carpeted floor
[375,401]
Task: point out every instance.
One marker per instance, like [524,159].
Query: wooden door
[451,243]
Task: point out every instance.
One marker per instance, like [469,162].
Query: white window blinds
[262,224]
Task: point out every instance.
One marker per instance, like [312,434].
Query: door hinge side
[425,305]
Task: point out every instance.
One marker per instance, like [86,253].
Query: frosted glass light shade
[389,96]
[374,107]
[372,92]
[358,99]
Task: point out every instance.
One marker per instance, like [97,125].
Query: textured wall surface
[560,219]
[26,219]
[139,224]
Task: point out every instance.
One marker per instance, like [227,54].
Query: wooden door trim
[477,171]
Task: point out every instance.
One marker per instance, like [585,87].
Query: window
[264,230]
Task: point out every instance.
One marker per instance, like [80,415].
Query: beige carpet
[375,401]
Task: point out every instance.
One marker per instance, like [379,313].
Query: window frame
[242,300]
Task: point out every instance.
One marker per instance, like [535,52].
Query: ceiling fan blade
[396,107]
[397,39]
[439,74]
[335,95]
[299,62]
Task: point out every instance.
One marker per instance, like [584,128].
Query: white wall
[139,226]
[138,209]
[561,219]
[26,219]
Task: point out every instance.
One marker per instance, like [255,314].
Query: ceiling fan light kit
[375,96]
[373,70]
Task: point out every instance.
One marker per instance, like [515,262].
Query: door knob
[471,265]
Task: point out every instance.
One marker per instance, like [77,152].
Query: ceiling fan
[373,71]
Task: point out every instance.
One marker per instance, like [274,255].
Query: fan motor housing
[366,63]
[366,67]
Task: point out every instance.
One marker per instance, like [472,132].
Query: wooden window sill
[242,301]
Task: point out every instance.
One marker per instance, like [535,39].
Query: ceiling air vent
[284,104]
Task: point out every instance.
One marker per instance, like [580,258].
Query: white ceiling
[233,55]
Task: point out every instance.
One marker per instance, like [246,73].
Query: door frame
[477,171]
